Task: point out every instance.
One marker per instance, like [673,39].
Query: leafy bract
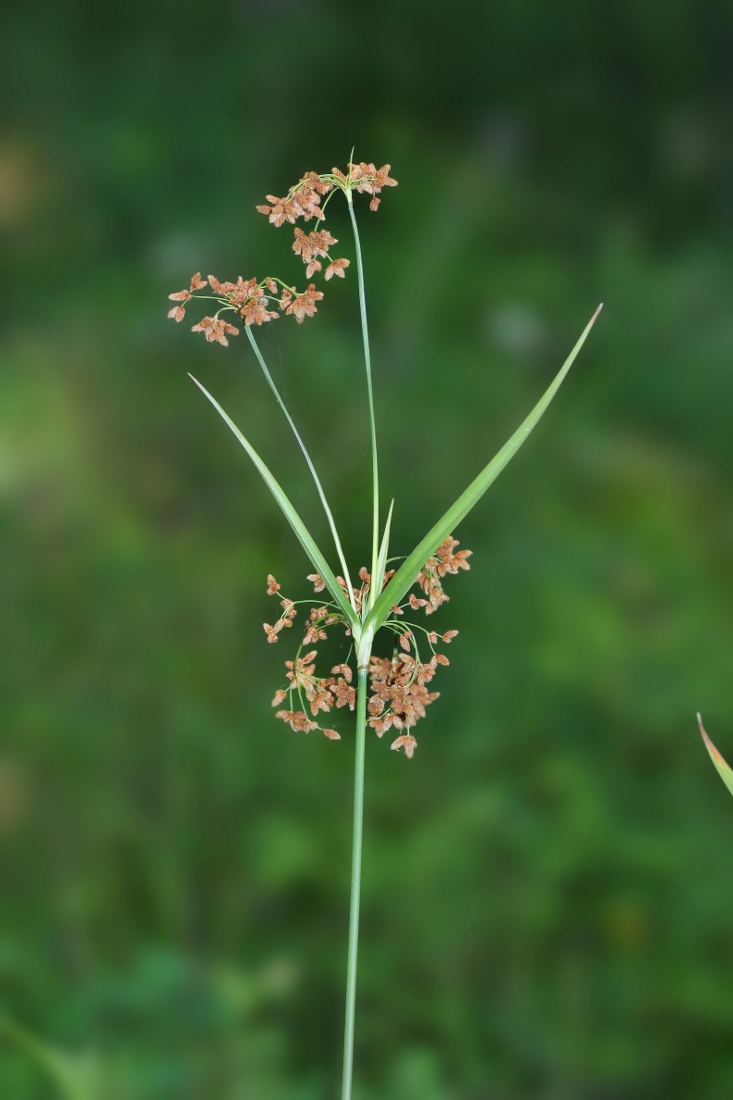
[378,578]
[724,771]
[405,576]
[303,534]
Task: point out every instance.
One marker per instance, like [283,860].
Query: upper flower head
[252,299]
[365,177]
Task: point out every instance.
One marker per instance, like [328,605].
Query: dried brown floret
[177,313]
[336,267]
[318,583]
[219,288]
[279,697]
[407,742]
[272,631]
[381,725]
[306,201]
[272,585]
[304,305]
[301,670]
[185,295]
[331,735]
[309,245]
[366,177]
[450,562]
[214,329]
[430,576]
[399,696]
[298,720]
[315,183]
[280,210]
[236,293]
[314,633]
[343,694]
[343,670]
[320,700]
[255,311]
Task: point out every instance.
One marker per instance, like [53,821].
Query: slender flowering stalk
[370,394]
[390,690]
[301,444]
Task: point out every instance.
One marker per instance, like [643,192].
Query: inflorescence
[253,299]
[399,692]
[398,684]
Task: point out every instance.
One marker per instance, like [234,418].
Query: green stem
[375,588]
[361,700]
[311,467]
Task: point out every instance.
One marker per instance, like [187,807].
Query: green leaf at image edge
[723,770]
[75,1077]
[303,534]
[405,576]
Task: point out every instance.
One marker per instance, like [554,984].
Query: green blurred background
[548,885]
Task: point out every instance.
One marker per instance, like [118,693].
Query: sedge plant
[387,687]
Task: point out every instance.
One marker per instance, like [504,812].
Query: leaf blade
[723,769]
[404,578]
[301,531]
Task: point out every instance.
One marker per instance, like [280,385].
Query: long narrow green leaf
[304,536]
[724,771]
[405,576]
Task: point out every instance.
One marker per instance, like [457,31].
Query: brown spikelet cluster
[435,569]
[311,692]
[398,685]
[257,302]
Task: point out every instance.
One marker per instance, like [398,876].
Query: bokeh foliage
[548,886]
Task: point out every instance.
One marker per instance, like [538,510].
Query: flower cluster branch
[258,301]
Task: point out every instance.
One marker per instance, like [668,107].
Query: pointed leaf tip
[404,578]
[722,768]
